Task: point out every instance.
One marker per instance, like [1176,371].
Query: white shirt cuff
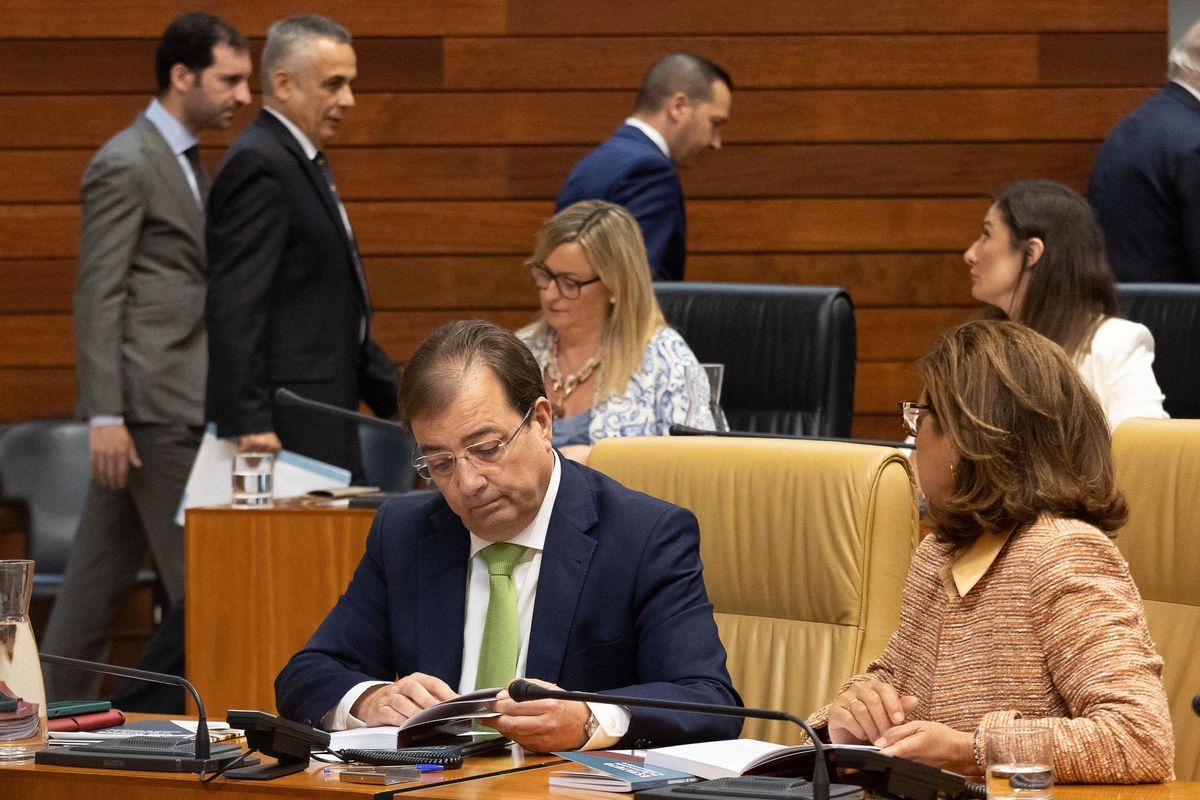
[339,717]
[106,419]
[614,724]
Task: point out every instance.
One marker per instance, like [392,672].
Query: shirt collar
[178,137]
[971,564]
[534,536]
[310,150]
[1191,89]
[652,133]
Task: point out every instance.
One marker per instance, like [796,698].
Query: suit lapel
[169,174]
[441,573]
[565,564]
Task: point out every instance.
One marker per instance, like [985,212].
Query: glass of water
[1020,762]
[252,479]
[704,383]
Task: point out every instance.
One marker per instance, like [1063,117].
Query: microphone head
[522,690]
[284,397]
[1196,704]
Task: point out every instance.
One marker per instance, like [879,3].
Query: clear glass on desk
[704,383]
[22,693]
[1020,762]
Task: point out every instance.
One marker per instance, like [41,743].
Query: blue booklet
[615,771]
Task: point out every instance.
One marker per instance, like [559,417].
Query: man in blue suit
[525,565]
[681,105]
[1145,185]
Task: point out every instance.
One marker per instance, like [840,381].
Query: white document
[211,480]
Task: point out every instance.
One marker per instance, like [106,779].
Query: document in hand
[732,757]
[610,771]
[448,722]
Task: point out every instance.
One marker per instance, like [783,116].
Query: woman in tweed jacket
[1019,606]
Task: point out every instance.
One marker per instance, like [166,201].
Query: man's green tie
[498,652]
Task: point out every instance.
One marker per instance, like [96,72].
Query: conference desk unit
[258,582]
[517,776]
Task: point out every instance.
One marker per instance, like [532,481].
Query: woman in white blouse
[613,366]
[1039,260]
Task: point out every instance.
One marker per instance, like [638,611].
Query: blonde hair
[612,241]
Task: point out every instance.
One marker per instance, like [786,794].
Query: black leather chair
[44,464]
[789,352]
[387,458]
[1172,313]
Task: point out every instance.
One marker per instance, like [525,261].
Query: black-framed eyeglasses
[568,287]
[491,451]
[910,415]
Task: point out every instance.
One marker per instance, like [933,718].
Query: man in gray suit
[141,349]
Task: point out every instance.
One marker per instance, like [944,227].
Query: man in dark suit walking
[287,297]
[1145,185]
[681,105]
[524,564]
[140,337]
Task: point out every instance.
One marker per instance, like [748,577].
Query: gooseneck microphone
[522,690]
[286,397]
[202,744]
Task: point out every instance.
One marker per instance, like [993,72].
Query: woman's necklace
[564,386]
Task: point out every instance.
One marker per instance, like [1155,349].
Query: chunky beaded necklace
[564,386]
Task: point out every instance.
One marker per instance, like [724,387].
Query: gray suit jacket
[140,344]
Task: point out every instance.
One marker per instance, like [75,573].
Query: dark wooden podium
[258,583]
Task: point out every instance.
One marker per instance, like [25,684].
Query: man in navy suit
[287,297]
[1145,185]
[681,105]
[603,590]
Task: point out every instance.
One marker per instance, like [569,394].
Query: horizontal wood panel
[884,334]
[872,279]
[32,393]
[885,427]
[474,118]
[59,19]
[720,226]
[405,283]
[820,16]
[537,172]
[123,66]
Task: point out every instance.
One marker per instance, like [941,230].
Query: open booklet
[733,757]
[448,722]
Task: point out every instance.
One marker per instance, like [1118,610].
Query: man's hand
[393,703]
[932,743]
[862,713]
[542,726]
[259,443]
[111,452]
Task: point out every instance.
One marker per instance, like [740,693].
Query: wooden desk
[258,583]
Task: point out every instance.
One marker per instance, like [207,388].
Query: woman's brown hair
[1030,436]
[1070,289]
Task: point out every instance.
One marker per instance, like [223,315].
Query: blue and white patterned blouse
[657,396]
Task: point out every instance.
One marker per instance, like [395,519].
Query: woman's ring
[852,702]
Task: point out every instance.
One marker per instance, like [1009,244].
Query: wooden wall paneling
[450,282]
[67,19]
[584,118]
[879,385]
[399,332]
[873,279]
[41,176]
[36,340]
[545,17]
[37,286]
[1102,59]
[894,334]
[32,392]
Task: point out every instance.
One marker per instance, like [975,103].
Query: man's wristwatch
[590,727]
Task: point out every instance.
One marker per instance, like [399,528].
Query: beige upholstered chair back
[805,547]
[1158,469]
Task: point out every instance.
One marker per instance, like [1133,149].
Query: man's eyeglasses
[910,415]
[568,287]
[491,451]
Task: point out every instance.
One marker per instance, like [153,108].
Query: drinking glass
[1020,760]
[253,475]
[704,391]
[22,693]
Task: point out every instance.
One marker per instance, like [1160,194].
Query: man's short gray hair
[1184,59]
[288,40]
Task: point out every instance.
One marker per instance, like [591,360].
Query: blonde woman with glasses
[612,365]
